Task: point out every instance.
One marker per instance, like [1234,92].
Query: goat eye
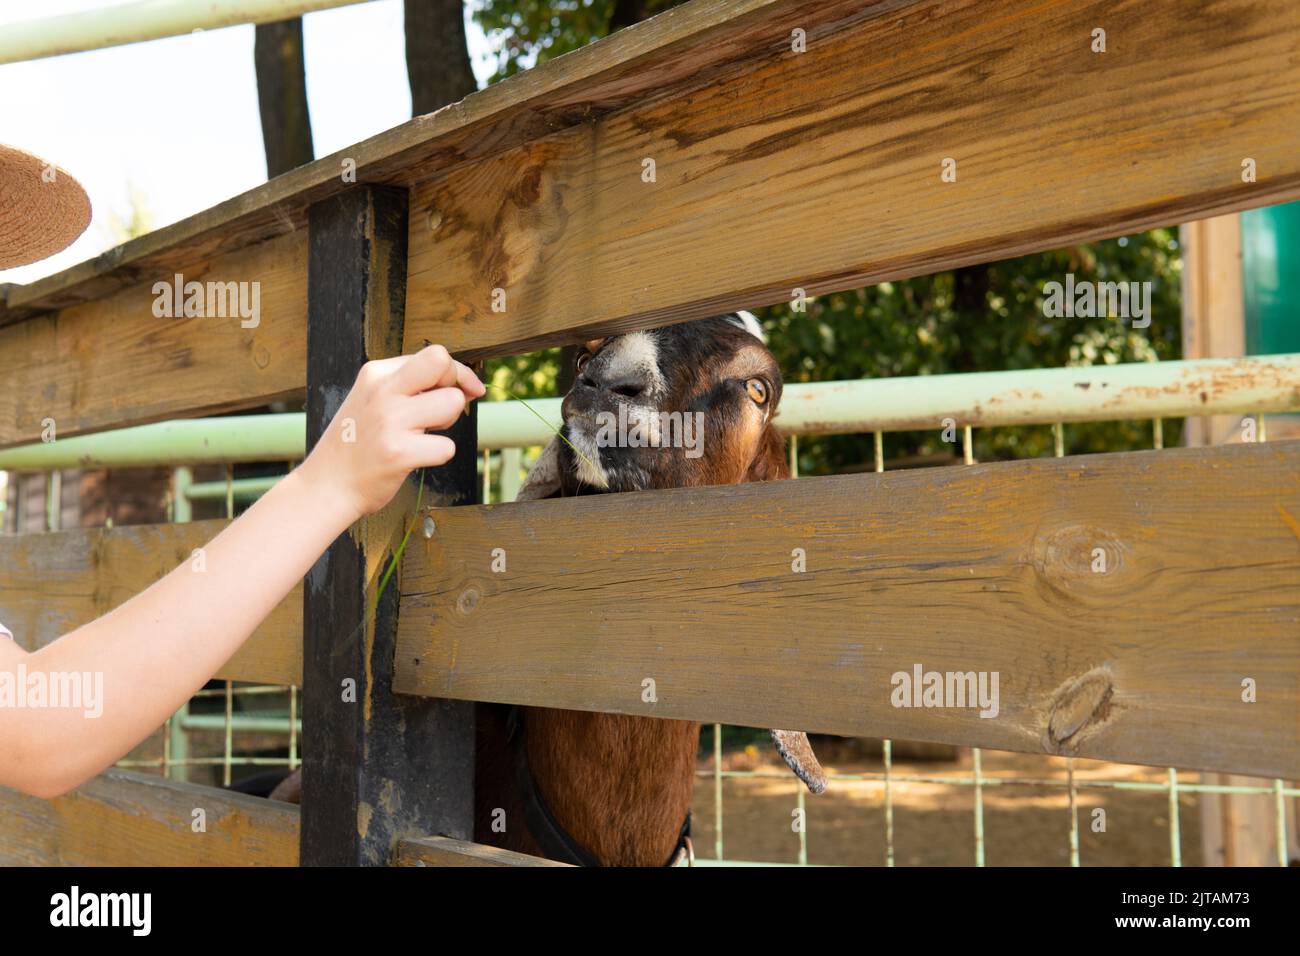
[581,362]
[757,390]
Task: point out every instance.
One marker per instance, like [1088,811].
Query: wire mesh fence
[887,781]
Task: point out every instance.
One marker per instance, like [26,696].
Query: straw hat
[42,208]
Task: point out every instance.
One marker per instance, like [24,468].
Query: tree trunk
[282,96]
[970,288]
[437,57]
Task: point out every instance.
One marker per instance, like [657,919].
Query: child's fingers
[381,370]
[428,451]
[437,409]
[433,367]
[469,382]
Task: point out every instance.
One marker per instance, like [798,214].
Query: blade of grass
[401,548]
[397,555]
[541,418]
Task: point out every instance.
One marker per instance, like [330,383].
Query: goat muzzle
[797,752]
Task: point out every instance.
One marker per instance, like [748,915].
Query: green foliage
[529,31]
[981,318]
[532,375]
[922,327]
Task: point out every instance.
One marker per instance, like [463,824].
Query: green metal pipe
[510,480]
[1037,396]
[53,500]
[1175,823]
[191,441]
[242,489]
[978,780]
[887,755]
[182,481]
[717,791]
[979,399]
[143,20]
[1279,823]
[241,723]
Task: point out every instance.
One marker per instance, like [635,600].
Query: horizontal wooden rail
[822,170]
[444,851]
[130,819]
[112,362]
[678,47]
[53,583]
[986,568]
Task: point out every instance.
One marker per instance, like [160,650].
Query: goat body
[621,786]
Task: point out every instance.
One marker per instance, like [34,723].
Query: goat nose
[626,386]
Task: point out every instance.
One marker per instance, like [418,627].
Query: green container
[1270,253]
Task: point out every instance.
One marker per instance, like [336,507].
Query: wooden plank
[443,851]
[821,170]
[1214,310]
[377,767]
[981,568]
[51,584]
[131,819]
[1238,829]
[679,47]
[112,362]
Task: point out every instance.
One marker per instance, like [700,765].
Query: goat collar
[554,840]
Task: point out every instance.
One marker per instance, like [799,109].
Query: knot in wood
[467,601]
[1083,703]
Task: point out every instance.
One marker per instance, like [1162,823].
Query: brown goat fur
[621,786]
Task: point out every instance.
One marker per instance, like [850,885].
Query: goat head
[686,405]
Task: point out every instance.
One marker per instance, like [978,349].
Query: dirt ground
[934,823]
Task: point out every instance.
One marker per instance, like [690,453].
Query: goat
[611,789]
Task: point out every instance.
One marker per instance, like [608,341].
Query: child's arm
[162,645]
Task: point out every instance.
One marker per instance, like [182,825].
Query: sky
[175,121]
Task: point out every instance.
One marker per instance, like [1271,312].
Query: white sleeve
[5,632]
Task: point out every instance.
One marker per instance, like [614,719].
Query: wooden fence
[774,170]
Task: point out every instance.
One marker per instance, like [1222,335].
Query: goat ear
[769,462]
[797,752]
[543,479]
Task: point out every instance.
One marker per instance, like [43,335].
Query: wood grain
[444,851]
[677,47]
[112,362]
[53,583]
[979,568]
[130,819]
[381,767]
[821,170]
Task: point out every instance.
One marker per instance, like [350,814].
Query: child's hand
[378,435]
